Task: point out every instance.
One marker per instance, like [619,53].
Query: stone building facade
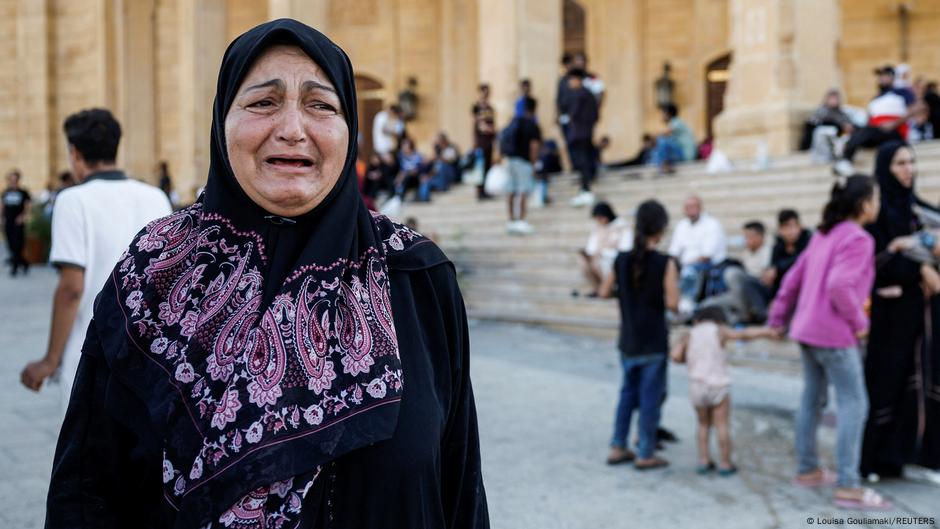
[747,71]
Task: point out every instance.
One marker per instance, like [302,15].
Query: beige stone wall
[154,63]
[24,142]
[870,37]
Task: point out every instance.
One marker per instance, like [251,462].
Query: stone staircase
[531,279]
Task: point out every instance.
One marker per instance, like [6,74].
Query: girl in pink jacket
[822,299]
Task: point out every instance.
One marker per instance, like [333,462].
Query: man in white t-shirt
[387,129]
[698,242]
[92,225]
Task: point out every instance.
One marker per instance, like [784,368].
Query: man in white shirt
[698,242]
[92,225]
[387,129]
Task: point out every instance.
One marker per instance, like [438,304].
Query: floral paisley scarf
[262,347]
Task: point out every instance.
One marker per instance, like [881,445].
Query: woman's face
[903,167]
[286,134]
[871,208]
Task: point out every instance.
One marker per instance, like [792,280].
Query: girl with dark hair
[902,367]
[822,298]
[609,237]
[647,285]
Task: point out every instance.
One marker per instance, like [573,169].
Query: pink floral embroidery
[376,388]
[314,415]
[188,324]
[192,294]
[196,471]
[168,472]
[159,345]
[134,299]
[184,373]
[254,433]
[355,366]
[227,409]
[260,396]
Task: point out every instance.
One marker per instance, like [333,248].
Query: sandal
[824,478]
[626,457]
[701,470]
[651,463]
[727,472]
[870,501]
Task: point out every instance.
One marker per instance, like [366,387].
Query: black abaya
[426,476]
[903,357]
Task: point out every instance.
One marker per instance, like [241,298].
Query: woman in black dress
[902,368]
[275,355]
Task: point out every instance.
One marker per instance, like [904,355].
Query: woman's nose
[290,126]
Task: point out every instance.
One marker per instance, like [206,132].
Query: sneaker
[524,228]
[512,227]
[843,168]
[584,198]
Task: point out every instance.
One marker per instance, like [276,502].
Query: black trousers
[583,160]
[16,241]
[868,137]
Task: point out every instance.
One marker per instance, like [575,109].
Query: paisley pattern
[327,341]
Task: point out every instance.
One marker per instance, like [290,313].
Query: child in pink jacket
[822,298]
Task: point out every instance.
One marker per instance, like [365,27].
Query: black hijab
[897,216]
[261,347]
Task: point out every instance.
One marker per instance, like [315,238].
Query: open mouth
[289,162]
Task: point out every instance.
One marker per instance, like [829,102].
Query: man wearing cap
[887,121]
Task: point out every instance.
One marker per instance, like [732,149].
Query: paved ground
[545,402]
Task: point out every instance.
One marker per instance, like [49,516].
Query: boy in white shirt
[92,224]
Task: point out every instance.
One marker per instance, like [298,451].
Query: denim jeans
[644,382]
[690,280]
[667,150]
[842,367]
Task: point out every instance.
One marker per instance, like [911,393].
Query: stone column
[520,39]
[314,13]
[201,43]
[135,84]
[783,60]
[614,47]
[31,107]
[459,38]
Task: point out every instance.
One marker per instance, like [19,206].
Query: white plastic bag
[497,179]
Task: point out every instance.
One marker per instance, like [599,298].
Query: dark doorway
[716,81]
[574,20]
[371,101]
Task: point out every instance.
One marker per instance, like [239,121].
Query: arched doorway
[371,96]
[716,81]
[573,30]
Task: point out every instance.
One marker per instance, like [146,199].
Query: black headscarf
[261,347]
[897,216]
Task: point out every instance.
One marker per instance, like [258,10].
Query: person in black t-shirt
[519,143]
[647,285]
[792,239]
[16,207]
[484,133]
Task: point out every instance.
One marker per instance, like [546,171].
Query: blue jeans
[667,150]
[690,279]
[644,382]
[842,367]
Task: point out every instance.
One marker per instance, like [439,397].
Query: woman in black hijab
[902,368]
[275,355]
